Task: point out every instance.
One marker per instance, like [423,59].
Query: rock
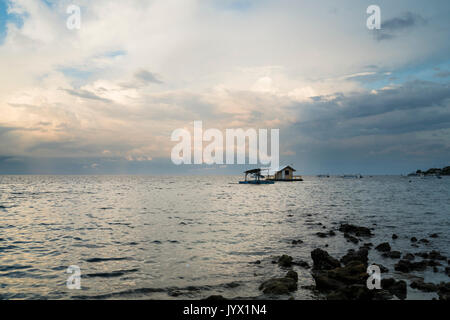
[323,261]
[413,239]
[325,234]
[351,238]
[279,286]
[302,264]
[434,235]
[215,298]
[383,247]
[447,271]
[408,256]
[394,236]
[383,269]
[356,230]
[392,254]
[297,241]
[398,288]
[436,255]
[256,262]
[424,241]
[353,292]
[423,286]
[285,261]
[368,245]
[408,266]
[432,263]
[422,254]
[361,255]
[444,291]
[337,278]
[293,275]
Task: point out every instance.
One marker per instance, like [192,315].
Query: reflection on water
[190,237]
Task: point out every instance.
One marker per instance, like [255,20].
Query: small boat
[258,178]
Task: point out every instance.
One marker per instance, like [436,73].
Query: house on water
[284,173]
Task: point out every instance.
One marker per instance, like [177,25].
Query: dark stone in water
[323,261]
[424,286]
[398,288]
[408,266]
[424,241]
[394,236]
[280,286]
[297,241]
[285,261]
[215,298]
[383,269]
[302,264]
[447,271]
[351,238]
[434,235]
[436,255]
[392,254]
[383,247]
[413,239]
[361,255]
[408,256]
[356,230]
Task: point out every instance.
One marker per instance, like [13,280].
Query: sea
[190,237]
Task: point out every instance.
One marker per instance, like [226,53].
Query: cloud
[85,95]
[147,77]
[391,28]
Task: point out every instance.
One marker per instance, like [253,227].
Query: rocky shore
[432,172]
[347,278]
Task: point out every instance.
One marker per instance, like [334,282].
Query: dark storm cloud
[392,27]
[415,106]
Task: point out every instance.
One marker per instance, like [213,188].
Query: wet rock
[232,285]
[353,273]
[351,238]
[394,236]
[297,241]
[413,239]
[285,261]
[424,286]
[392,254]
[408,256]
[280,286]
[422,255]
[361,255]
[302,264]
[424,241]
[383,247]
[408,266]
[356,230]
[398,288]
[215,298]
[383,269]
[432,263]
[368,245]
[326,234]
[256,262]
[323,261]
[434,235]
[353,292]
[436,255]
[444,291]
[447,271]
[293,275]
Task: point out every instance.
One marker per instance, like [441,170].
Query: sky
[105,98]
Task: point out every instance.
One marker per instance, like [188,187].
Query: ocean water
[154,237]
